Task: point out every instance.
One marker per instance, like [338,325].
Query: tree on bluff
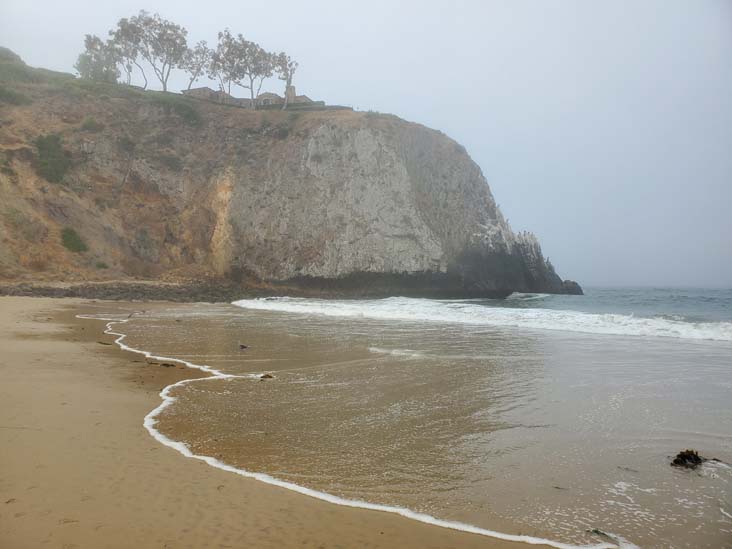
[146,39]
[285,67]
[127,40]
[255,64]
[224,65]
[98,61]
[242,63]
[246,64]
[162,44]
[196,60]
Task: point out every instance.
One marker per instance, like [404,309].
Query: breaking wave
[480,313]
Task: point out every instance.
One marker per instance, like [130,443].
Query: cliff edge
[107,182]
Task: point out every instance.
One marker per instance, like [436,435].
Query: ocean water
[552,417]
[677,313]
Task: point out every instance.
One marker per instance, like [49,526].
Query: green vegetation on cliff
[72,241]
[12,97]
[53,161]
[91,125]
[177,104]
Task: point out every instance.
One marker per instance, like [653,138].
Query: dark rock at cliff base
[689,459]
[570,287]
[433,285]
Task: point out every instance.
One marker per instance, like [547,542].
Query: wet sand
[547,434]
[77,468]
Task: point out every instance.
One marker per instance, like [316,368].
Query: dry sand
[77,468]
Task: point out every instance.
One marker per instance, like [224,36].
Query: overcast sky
[603,127]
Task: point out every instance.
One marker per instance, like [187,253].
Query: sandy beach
[77,468]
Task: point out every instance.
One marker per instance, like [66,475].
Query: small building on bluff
[207,94]
[263,100]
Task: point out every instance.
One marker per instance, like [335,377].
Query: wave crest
[467,312]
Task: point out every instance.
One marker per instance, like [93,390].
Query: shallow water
[440,408]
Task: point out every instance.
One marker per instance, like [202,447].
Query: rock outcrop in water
[688,459]
[159,186]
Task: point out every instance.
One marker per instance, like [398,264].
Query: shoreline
[79,469]
[150,422]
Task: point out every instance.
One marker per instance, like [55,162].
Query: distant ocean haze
[569,407]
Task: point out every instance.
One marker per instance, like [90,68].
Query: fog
[603,127]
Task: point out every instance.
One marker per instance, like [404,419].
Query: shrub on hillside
[178,105]
[12,97]
[171,162]
[72,241]
[282,132]
[91,125]
[14,72]
[53,161]
[126,144]
[5,166]
[83,87]
[24,226]
[163,139]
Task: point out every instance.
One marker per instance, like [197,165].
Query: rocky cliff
[157,186]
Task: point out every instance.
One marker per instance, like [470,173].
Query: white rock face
[380,196]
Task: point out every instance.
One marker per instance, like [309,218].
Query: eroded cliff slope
[160,186]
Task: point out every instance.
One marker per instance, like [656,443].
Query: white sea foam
[517,296]
[151,420]
[396,352]
[467,312]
